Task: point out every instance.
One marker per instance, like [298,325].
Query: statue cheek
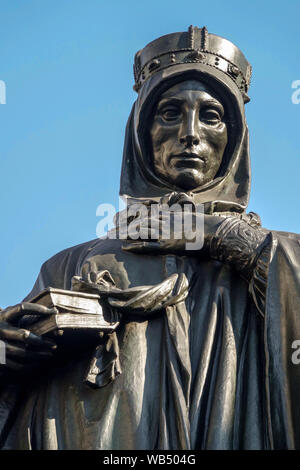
[164,136]
[221,136]
[216,138]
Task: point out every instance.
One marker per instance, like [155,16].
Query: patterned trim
[189,55]
[239,244]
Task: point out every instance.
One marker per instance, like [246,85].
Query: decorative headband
[194,46]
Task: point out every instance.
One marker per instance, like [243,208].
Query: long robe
[212,372]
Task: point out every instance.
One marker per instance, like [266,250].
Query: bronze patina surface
[201,357]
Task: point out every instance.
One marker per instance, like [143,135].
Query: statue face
[188,135]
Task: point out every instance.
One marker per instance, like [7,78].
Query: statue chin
[189,179]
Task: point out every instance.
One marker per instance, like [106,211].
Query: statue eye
[170,113]
[210,116]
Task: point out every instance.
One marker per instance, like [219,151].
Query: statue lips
[188,159]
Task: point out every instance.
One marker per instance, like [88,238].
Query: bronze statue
[200,357]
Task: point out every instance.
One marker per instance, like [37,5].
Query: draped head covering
[229,190]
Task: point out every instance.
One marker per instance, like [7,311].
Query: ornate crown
[196,45]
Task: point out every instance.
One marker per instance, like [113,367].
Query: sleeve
[56,272]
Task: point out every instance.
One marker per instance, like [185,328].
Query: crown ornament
[194,46]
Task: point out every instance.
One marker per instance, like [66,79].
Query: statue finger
[126,294]
[117,303]
[152,299]
[22,353]
[24,308]
[142,247]
[25,336]
[89,271]
[147,300]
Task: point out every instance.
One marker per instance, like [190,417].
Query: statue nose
[189,132]
[189,140]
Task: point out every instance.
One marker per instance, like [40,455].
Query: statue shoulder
[285,235]
[58,270]
[69,255]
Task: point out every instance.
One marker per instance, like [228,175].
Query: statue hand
[145,300]
[138,300]
[191,238]
[23,349]
[230,240]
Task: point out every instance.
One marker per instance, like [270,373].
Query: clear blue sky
[67,65]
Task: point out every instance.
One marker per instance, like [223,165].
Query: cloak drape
[213,371]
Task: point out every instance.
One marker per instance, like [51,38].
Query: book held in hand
[79,314]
